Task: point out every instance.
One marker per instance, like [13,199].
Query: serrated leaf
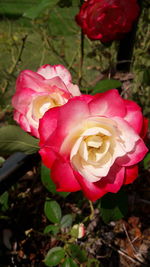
[36,11]
[14,139]
[66,221]
[48,183]
[113,206]
[105,85]
[54,229]
[54,256]
[78,253]
[69,263]
[52,211]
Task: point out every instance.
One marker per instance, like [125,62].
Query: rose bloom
[93,143]
[107,20]
[36,92]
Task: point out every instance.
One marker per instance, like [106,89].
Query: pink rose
[107,20]
[93,143]
[36,92]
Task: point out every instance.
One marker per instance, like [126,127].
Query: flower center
[43,103]
[94,147]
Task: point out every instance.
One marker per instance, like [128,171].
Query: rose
[93,143]
[107,20]
[36,92]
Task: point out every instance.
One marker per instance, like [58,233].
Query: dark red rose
[107,20]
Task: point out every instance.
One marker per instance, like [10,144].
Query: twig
[144,201]
[19,55]
[123,253]
[81,57]
[130,242]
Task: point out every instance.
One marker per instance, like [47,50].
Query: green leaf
[54,229]
[16,7]
[147,162]
[62,23]
[49,184]
[69,263]
[14,139]
[113,206]
[66,221]
[52,211]
[78,253]
[4,201]
[36,11]
[54,256]
[105,85]
[63,194]
[46,180]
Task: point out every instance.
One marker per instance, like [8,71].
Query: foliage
[113,206]
[14,139]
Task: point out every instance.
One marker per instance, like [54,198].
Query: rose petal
[134,115]
[144,128]
[48,72]
[48,156]
[114,180]
[90,190]
[70,115]
[108,104]
[135,156]
[128,135]
[55,82]
[22,99]
[131,174]
[24,123]
[48,124]
[111,183]
[63,176]
[74,89]
[30,79]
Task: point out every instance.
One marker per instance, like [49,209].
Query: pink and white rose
[36,92]
[93,143]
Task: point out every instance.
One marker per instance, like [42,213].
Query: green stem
[81,53]
[91,216]
[81,57]
[92,210]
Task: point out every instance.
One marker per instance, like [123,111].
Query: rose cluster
[107,20]
[90,143]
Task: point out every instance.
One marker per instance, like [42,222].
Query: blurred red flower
[107,20]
